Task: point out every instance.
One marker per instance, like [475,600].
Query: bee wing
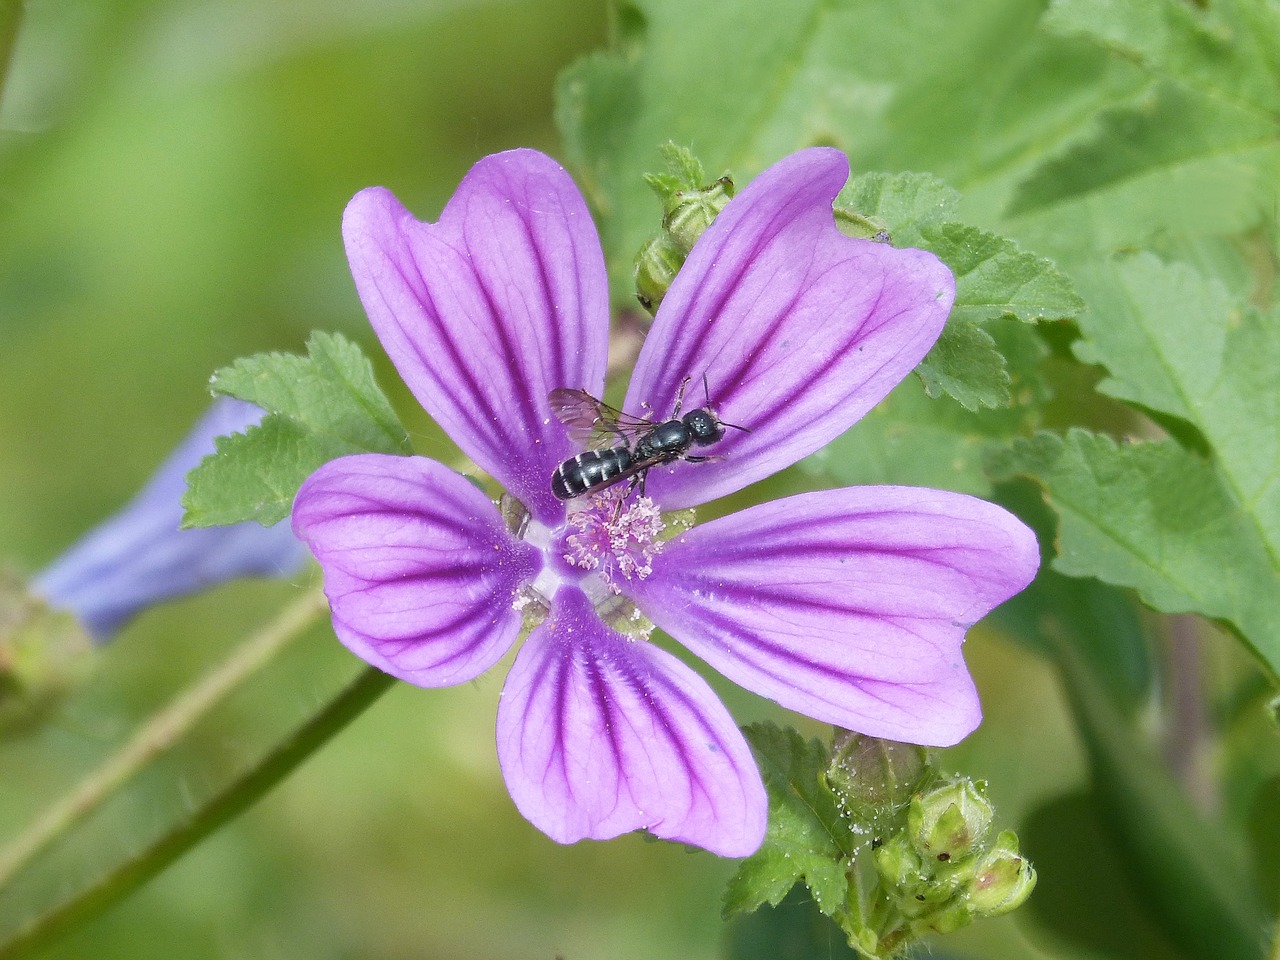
[591,422]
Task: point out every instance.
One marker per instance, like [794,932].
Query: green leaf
[807,838]
[1231,49]
[905,203]
[1158,519]
[1192,148]
[994,278]
[877,79]
[1175,344]
[256,474]
[331,392]
[1172,158]
[965,364]
[319,407]
[1192,871]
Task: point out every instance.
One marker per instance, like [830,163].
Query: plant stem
[158,734]
[127,876]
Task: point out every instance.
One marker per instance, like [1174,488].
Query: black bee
[638,442]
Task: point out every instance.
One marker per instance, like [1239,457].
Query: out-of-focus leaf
[1191,870]
[1086,893]
[1158,519]
[1171,159]
[1193,148]
[876,78]
[1231,49]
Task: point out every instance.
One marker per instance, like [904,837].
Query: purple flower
[140,557]
[849,606]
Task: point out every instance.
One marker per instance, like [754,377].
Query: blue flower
[141,557]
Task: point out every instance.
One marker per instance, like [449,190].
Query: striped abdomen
[592,470]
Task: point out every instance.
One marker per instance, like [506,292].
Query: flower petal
[849,606]
[599,735]
[487,311]
[798,329]
[418,567]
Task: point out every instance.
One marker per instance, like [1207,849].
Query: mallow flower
[849,606]
[141,556]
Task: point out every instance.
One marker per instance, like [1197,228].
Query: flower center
[612,538]
[606,541]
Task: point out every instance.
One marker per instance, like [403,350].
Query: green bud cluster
[44,655]
[943,872]
[689,205]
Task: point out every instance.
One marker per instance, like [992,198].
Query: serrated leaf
[331,392]
[1158,519]
[906,203]
[1176,345]
[807,838]
[995,278]
[966,365]
[319,407]
[254,475]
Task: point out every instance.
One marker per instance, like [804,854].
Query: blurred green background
[172,176]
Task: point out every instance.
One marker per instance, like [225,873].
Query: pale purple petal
[849,606]
[599,735]
[487,311]
[798,329]
[141,556]
[419,569]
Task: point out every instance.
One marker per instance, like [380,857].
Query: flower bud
[1004,878]
[44,655]
[917,886]
[875,778]
[688,213]
[948,822]
[689,205]
[656,266]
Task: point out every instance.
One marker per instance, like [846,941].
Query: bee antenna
[735,426]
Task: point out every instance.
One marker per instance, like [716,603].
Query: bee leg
[680,398]
[637,480]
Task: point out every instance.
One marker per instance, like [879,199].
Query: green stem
[158,734]
[274,767]
[10,20]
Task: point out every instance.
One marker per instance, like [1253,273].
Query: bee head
[703,427]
